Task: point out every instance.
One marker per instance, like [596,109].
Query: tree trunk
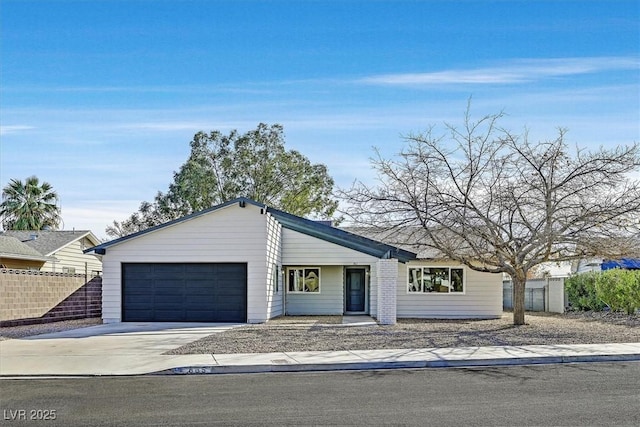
[519,281]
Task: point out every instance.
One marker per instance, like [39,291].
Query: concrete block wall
[29,297]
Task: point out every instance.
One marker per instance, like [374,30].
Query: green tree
[222,167]
[500,203]
[29,205]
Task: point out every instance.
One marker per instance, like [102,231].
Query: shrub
[619,289]
[581,292]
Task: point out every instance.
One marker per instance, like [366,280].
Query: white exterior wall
[275,292]
[230,234]
[301,250]
[482,297]
[72,256]
[330,299]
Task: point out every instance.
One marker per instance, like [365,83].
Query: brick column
[387,272]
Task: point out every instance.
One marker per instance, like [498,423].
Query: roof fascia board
[6,255]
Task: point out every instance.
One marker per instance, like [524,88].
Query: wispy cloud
[513,72]
[5,130]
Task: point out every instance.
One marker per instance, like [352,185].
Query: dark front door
[355,292]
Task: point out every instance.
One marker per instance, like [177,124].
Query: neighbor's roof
[46,242]
[292,222]
[11,247]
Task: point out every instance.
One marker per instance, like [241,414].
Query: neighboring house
[16,255]
[244,262]
[58,251]
[598,264]
[586,265]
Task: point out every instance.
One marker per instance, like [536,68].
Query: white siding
[301,249]
[274,261]
[329,301]
[482,297]
[71,256]
[230,234]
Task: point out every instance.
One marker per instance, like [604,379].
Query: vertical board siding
[228,235]
[482,297]
[274,258]
[373,289]
[329,301]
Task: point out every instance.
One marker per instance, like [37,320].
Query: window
[303,280]
[69,270]
[274,278]
[435,279]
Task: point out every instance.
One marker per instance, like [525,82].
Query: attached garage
[184,292]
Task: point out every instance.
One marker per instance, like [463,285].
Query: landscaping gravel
[326,333]
[45,328]
[316,334]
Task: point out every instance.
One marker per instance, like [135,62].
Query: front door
[355,290]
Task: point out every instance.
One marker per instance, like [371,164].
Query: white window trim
[286,280]
[275,278]
[450,267]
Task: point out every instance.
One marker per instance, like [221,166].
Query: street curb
[417,364]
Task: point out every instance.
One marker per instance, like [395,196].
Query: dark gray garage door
[184,292]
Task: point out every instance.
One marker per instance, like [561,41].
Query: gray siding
[482,297]
[329,301]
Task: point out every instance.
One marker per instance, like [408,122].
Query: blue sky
[101,98]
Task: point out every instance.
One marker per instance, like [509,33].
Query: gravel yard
[322,333]
[45,328]
[319,333]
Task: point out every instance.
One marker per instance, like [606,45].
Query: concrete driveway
[111,349]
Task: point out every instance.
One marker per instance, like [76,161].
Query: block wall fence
[30,297]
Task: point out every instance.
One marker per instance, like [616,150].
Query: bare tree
[498,203]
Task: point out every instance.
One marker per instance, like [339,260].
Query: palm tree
[29,205]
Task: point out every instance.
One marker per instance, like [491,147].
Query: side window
[275,278]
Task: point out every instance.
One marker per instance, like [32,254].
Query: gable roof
[47,242]
[11,247]
[312,228]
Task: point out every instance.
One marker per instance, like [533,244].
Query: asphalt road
[571,394]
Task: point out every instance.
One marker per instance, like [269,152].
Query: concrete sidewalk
[412,358]
[133,363]
[138,349]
